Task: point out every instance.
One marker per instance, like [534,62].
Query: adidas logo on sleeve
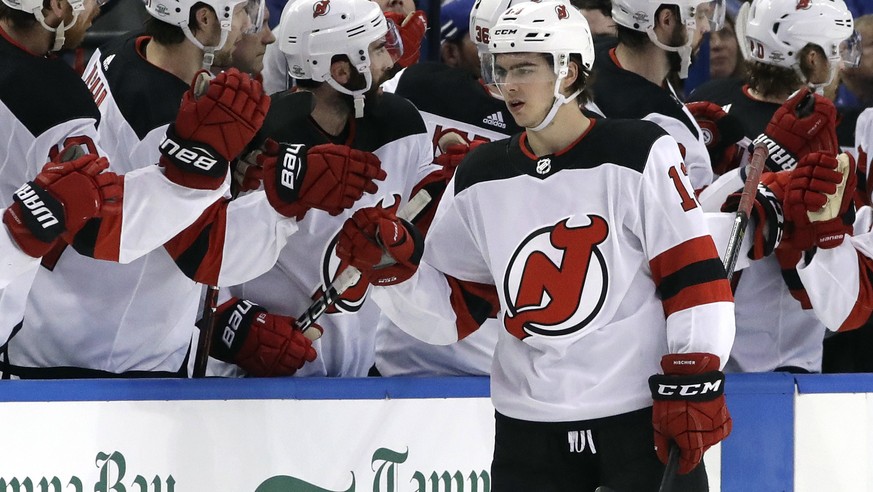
[495,119]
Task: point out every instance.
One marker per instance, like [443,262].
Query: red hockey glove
[689,407]
[372,231]
[263,344]
[453,156]
[60,200]
[327,177]
[721,132]
[818,202]
[805,123]
[412,28]
[212,129]
[767,213]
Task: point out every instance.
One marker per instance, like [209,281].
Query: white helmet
[483,16]
[312,32]
[775,31]
[639,15]
[550,27]
[178,13]
[35,7]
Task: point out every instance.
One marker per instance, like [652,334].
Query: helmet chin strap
[59,31]
[684,50]
[558,101]
[357,95]
[833,68]
[208,51]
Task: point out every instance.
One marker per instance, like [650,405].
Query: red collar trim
[18,45]
[525,147]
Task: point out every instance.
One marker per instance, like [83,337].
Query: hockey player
[792,49]
[46,107]
[458,110]
[788,48]
[248,56]
[594,293]
[139,85]
[655,38]
[339,52]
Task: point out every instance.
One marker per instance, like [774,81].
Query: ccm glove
[373,233]
[60,200]
[412,28]
[805,123]
[327,177]
[263,344]
[689,407]
[212,129]
[721,133]
[818,201]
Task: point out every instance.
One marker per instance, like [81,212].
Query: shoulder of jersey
[624,94]
[397,116]
[720,91]
[504,159]
[43,92]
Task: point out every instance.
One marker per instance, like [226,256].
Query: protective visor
[710,12]
[255,10]
[509,69]
[850,51]
[393,43]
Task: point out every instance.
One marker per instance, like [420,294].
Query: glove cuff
[778,157]
[696,387]
[40,212]
[232,326]
[192,164]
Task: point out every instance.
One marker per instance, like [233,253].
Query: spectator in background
[598,13]
[248,56]
[856,91]
[725,58]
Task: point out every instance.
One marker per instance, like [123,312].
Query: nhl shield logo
[544,165]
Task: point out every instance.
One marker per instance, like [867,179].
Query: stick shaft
[744,209]
[204,342]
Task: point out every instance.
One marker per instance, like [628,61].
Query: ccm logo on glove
[29,198]
[194,155]
[712,388]
[236,317]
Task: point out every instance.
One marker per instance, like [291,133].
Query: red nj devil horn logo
[320,8]
[802,4]
[561,10]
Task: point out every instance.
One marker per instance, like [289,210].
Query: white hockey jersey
[391,129]
[45,106]
[602,267]
[94,317]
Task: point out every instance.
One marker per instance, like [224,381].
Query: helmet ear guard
[312,32]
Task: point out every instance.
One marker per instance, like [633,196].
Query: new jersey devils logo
[556,281]
[561,10]
[802,4]
[320,8]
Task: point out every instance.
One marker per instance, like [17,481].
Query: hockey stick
[210,302]
[351,275]
[732,253]
[744,209]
